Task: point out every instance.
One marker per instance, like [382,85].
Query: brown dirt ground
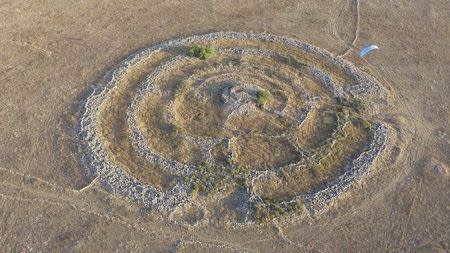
[51,51]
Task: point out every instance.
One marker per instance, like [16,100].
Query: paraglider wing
[367,49]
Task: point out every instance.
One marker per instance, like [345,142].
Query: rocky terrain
[114,138]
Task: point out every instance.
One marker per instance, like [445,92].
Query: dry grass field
[115,137]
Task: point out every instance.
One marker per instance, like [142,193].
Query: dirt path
[337,24]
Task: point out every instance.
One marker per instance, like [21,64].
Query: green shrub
[201,52]
[212,178]
[262,97]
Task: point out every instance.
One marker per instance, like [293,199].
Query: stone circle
[176,133]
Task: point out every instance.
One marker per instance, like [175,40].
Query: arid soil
[53,53]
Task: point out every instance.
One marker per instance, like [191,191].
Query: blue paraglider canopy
[367,49]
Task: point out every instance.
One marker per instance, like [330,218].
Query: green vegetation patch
[212,178]
[270,209]
[201,52]
[354,104]
[262,97]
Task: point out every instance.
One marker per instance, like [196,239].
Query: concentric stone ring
[279,125]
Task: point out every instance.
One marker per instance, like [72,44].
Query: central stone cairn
[261,127]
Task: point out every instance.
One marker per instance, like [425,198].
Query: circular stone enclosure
[266,126]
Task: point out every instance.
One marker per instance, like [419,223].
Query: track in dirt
[339,25]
